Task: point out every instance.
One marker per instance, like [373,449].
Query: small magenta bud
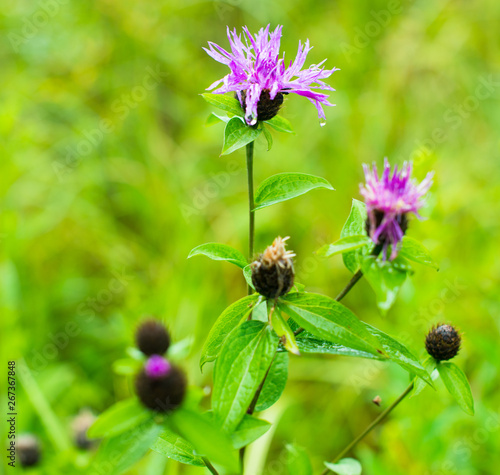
[272,272]
[443,342]
[162,393]
[28,450]
[157,366]
[152,338]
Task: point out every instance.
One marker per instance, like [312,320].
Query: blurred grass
[96,224]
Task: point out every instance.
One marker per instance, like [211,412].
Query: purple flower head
[259,74]
[156,366]
[388,199]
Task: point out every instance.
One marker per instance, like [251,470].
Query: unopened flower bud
[28,450]
[272,272]
[161,386]
[152,338]
[80,426]
[443,342]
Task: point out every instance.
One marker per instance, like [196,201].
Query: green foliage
[230,318]
[225,103]
[275,382]
[280,124]
[347,466]
[355,226]
[413,250]
[175,447]
[285,186]
[220,252]
[249,430]
[237,134]
[457,385]
[297,461]
[240,369]
[344,245]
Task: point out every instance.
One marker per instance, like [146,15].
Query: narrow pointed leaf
[346,244]
[268,137]
[230,318]
[275,383]
[248,431]
[345,466]
[329,320]
[355,226]
[240,368]
[283,330]
[385,279]
[280,124]
[400,354]
[247,273]
[430,366]
[226,103]
[415,251]
[285,186]
[120,417]
[237,134]
[220,252]
[176,448]
[214,118]
[207,439]
[457,385]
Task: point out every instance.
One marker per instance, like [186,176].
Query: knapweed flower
[259,77]
[272,272]
[388,201]
[161,386]
[443,342]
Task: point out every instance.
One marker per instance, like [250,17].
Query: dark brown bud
[80,426]
[272,272]
[162,394]
[443,342]
[266,108]
[28,450]
[152,338]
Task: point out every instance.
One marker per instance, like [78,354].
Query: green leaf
[457,385]
[220,252]
[269,138]
[308,344]
[248,431]
[216,119]
[415,251]
[247,273]
[286,186]
[297,461]
[119,453]
[275,382]
[430,366]
[283,330]
[120,417]
[355,226]
[237,134]
[207,439]
[280,124]
[385,279]
[226,103]
[329,320]
[400,354]
[176,448]
[349,243]
[346,466]
[240,368]
[227,321]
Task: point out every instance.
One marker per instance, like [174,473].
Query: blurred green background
[110,176]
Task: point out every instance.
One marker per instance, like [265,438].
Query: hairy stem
[251,205]
[377,421]
[210,466]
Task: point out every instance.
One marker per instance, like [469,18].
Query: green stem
[251,204]
[210,466]
[377,421]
